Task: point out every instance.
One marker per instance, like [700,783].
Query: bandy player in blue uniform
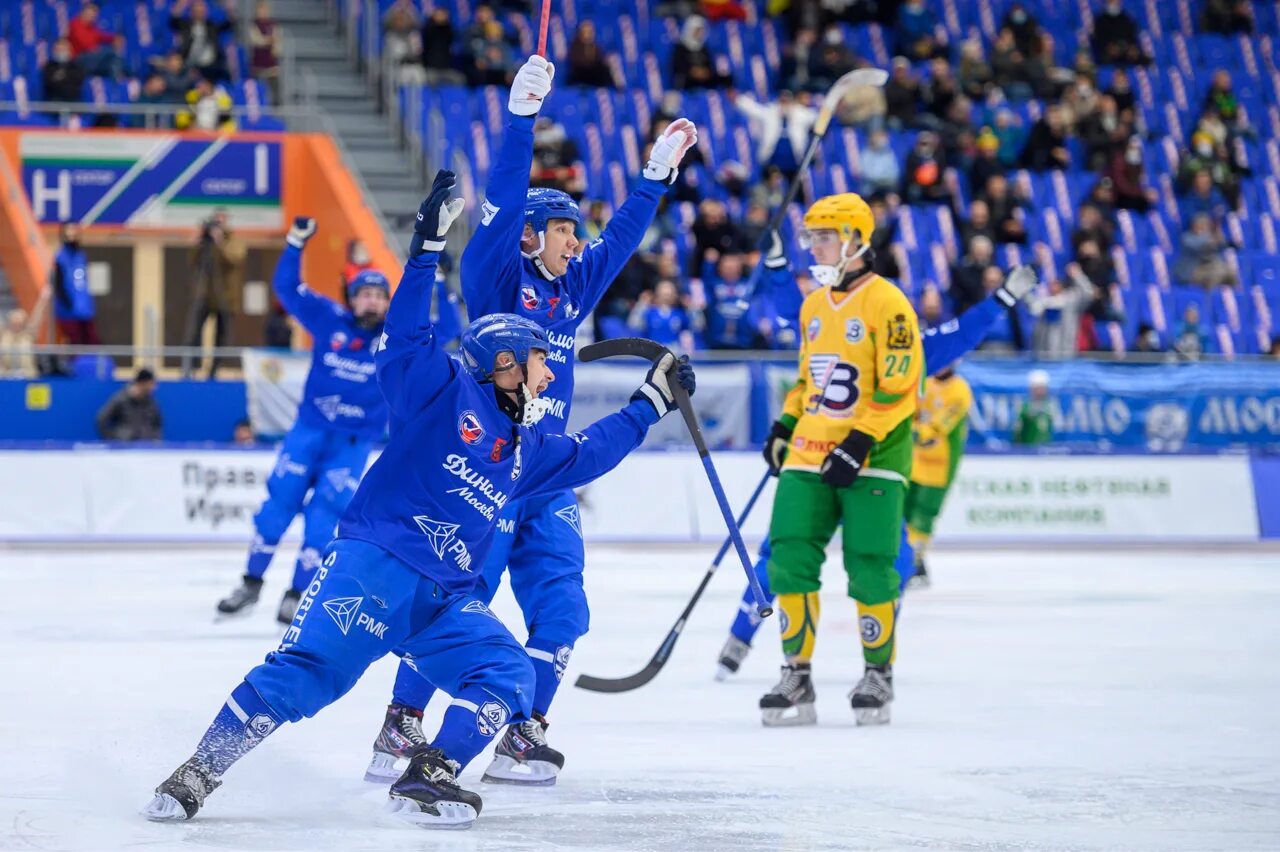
[398,577]
[943,345]
[341,415]
[524,259]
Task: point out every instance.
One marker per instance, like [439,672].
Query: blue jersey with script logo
[342,390]
[497,278]
[454,459]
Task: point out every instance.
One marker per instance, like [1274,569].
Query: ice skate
[731,657]
[180,795]
[428,794]
[872,696]
[920,579]
[242,598]
[401,733]
[523,756]
[288,607]
[790,702]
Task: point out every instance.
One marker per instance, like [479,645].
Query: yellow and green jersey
[941,427]
[861,365]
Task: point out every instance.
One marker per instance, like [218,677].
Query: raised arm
[315,312]
[490,264]
[568,461]
[411,365]
[591,273]
[949,342]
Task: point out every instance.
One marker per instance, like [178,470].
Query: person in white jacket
[781,130]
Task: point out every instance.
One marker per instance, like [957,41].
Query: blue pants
[539,541]
[362,604]
[746,623]
[326,463]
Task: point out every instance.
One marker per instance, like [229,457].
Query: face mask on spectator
[1018,17]
[1133,156]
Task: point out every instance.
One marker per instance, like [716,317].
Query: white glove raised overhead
[1017,285]
[669,149]
[302,229]
[531,86]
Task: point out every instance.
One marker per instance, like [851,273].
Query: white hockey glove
[436,215]
[656,389]
[303,229]
[531,86]
[669,149]
[1017,285]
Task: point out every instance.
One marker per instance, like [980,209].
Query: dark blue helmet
[368,278]
[492,334]
[542,205]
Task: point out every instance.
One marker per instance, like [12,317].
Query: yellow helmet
[844,213]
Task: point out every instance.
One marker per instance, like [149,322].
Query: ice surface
[1045,701]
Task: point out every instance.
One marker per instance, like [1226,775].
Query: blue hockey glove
[303,229]
[843,464]
[656,389]
[436,215]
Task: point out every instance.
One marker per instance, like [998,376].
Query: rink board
[209,495]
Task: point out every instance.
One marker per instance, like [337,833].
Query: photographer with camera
[217,266]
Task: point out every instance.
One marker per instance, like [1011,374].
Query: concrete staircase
[325,72]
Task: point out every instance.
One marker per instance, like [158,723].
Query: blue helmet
[368,278]
[541,205]
[492,334]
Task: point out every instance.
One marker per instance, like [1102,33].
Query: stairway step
[289,11]
[386,163]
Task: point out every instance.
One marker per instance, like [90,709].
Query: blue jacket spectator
[660,317]
[732,319]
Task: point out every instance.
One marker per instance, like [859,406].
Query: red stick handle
[542,28]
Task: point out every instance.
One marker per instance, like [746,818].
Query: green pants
[806,513]
[924,504]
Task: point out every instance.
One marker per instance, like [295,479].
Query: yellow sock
[918,540]
[877,622]
[799,623]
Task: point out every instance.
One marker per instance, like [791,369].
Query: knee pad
[560,614]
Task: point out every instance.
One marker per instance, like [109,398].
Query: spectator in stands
[62,77]
[781,129]
[659,316]
[217,280]
[73,305]
[242,435]
[974,74]
[884,207]
[200,38]
[96,50]
[968,287]
[1115,36]
[986,160]
[18,337]
[732,321]
[209,107]
[1006,208]
[178,78]
[1121,91]
[264,49]
[277,333]
[1147,339]
[1190,340]
[1103,197]
[937,93]
[880,169]
[587,63]
[901,95]
[1079,100]
[770,190]
[794,72]
[1025,29]
[1008,67]
[1096,269]
[1034,426]
[1046,146]
[979,223]
[692,66]
[922,178]
[492,62]
[437,50]
[723,10]
[752,228]
[1201,261]
[1128,176]
[1221,100]
[1102,133]
[132,414]
[829,61]
[1227,17]
[1090,226]
[1058,312]
[1205,156]
[713,235]
[156,93]
[1202,198]
[556,161]
[930,308]
[956,131]
[917,34]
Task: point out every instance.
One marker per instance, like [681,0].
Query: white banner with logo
[202,495]
[273,382]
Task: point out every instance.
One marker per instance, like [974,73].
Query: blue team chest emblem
[337,340]
[529,298]
[469,428]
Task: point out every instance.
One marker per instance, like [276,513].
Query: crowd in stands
[192,55]
[1128,149]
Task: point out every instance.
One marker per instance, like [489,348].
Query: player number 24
[897,365]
